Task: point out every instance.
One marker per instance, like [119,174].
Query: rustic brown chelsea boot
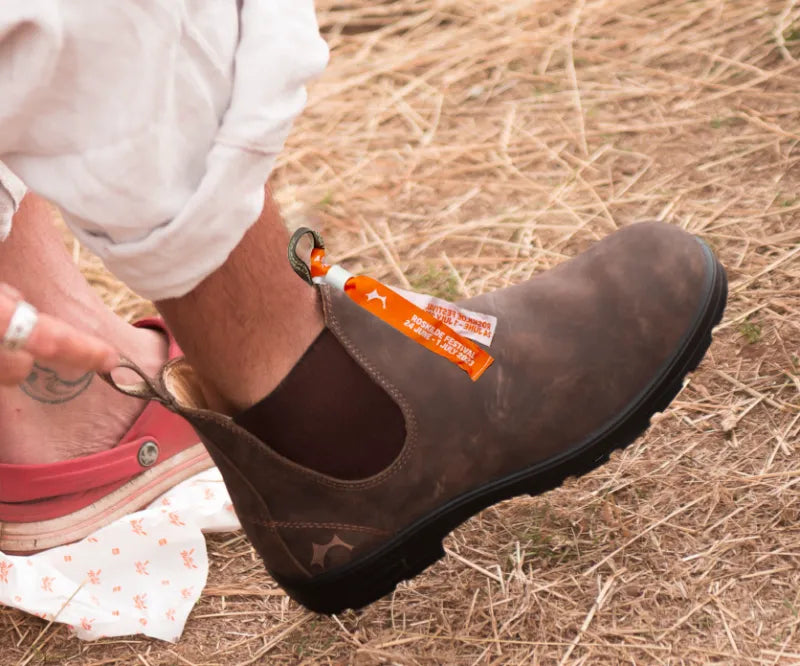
[349,475]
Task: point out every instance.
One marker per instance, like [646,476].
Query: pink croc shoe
[42,506]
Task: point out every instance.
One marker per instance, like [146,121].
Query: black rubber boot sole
[419,545]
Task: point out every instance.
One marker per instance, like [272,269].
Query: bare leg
[246,325]
[86,416]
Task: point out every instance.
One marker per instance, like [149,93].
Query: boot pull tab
[147,389]
[300,267]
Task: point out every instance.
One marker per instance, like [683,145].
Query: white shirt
[153,124]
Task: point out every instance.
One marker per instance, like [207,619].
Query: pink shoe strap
[156,435]
[157,324]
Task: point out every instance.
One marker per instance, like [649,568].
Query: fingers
[51,340]
[9,291]
[15,367]
[54,340]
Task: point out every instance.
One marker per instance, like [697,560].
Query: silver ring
[22,323]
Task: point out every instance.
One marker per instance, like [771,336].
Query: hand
[52,341]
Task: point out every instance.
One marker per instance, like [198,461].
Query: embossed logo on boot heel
[320,552]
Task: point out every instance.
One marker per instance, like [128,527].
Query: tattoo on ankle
[45,385]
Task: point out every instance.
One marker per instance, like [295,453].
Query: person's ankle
[261,376]
[57,416]
[244,327]
[254,359]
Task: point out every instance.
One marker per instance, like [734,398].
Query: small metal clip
[300,267]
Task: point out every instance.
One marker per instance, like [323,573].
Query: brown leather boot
[347,478]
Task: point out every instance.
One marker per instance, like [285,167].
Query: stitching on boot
[377,376]
[276,534]
[328,526]
[273,456]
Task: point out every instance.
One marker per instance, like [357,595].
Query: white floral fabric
[140,575]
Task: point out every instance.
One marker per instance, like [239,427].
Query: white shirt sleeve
[28,43]
[154,124]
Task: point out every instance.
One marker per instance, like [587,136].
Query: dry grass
[463,145]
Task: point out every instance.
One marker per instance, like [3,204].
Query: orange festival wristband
[400,313]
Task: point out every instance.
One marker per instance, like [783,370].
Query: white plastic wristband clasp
[336,277]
